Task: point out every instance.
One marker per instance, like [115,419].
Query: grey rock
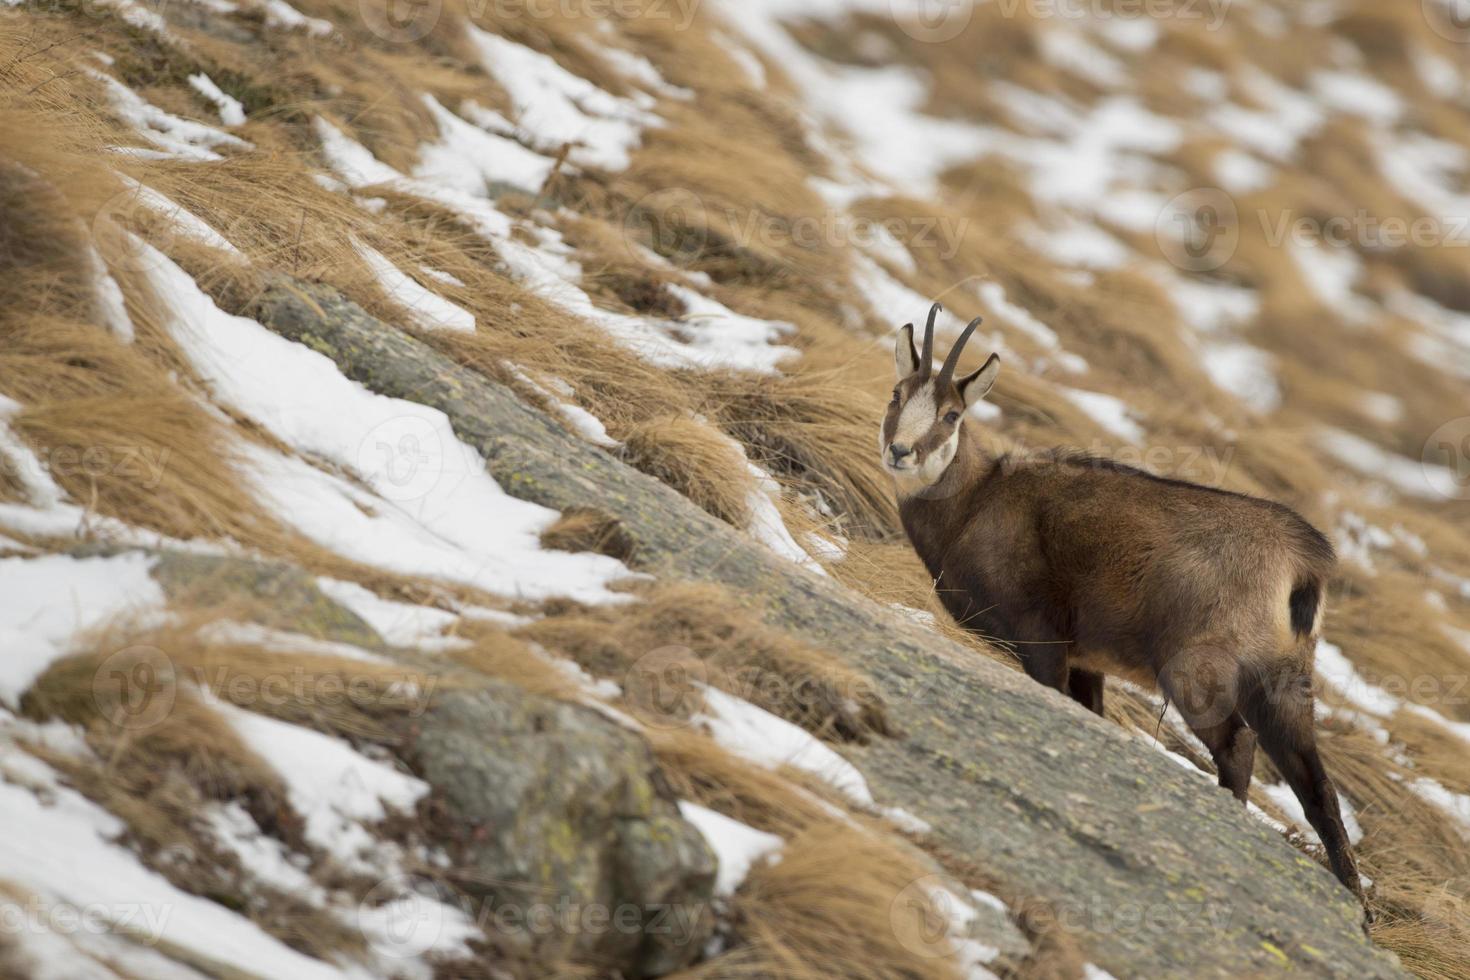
[571,843]
[290,596]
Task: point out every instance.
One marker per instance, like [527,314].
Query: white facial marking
[940,458]
[916,418]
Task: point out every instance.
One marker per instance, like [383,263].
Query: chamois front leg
[1043,654]
[1047,664]
[1086,688]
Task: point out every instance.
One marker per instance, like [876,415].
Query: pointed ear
[976,386]
[905,358]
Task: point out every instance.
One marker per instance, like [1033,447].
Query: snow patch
[436,511]
[111,305]
[398,623]
[1112,414]
[1412,477]
[139,16]
[1330,273]
[184,221]
[79,865]
[334,789]
[176,138]
[229,632]
[281,15]
[738,847]
[556,108]
[231,110]
[755,734]
[52,598]
[469,158]
[1274,132]
[1244,371]
[427,309]
[558,394]
[1358,95]
[1240,172]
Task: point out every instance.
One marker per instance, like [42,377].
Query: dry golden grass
[188,741]
[806,685]
[497,654]
[813,433]
[828,908]
[745,157]
[589,529]
[120,436]
[700,770]
[694,459]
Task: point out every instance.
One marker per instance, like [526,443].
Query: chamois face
[921,430]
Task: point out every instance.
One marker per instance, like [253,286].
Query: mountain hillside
[442,532]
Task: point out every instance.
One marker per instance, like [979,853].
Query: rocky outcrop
[571,845]
[1153,870]
[566,840]
[288,594]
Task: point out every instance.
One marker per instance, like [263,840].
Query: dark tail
[1314,561]
[1304,600]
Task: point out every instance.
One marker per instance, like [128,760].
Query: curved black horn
[926,361]
[950,362]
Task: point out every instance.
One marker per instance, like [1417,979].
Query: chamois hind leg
[1086,688]
[1206,689]
[1281,713]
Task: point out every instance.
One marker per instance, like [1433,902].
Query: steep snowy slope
[244,574]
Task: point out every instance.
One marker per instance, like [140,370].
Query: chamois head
[921,431]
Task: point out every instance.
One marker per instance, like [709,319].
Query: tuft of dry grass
[834,905]
[700,770]
[153,729]
[733,650]
[497,654]
[590,529]
[695,460]
[810,431]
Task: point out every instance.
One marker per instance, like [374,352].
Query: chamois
[1087,567]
